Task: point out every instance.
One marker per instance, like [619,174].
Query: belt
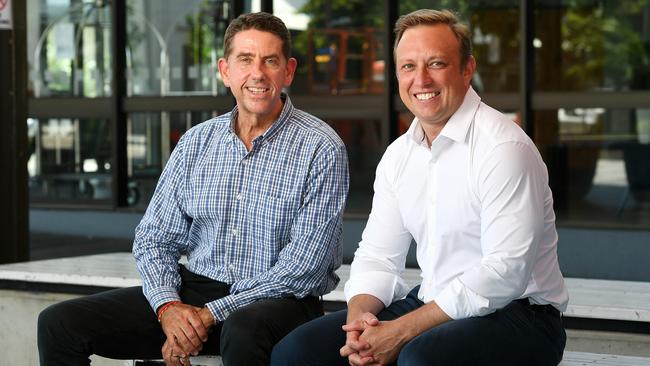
[548,309]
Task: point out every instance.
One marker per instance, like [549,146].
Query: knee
[240,326]
[411,355]
[51,322]
[292,349]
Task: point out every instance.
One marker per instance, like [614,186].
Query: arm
[161,235]
[314,249]
[381,256]
[375,280]
[512,184]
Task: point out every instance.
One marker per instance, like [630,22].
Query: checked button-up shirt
[266,221]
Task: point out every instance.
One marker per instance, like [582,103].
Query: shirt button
[234,232]
[238,196]
[231,267]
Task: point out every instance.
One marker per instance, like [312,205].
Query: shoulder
[201,136]
[314,130]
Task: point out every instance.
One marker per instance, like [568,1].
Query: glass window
[173,46]
[69,161]
[338,45]
[69,48]
[593,45]
[598,165]
[495,38]
[151,137]
[363,141]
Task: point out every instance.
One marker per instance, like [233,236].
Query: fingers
[366,320]
[356,360]
[182,323]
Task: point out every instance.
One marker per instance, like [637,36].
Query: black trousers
[519,334]
[120,324]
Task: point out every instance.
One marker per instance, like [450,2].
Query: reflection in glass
[69,161]
[495,38]
[173,46]
[69,48]
[593,45]
[338,45]
[598,165]
[151,139]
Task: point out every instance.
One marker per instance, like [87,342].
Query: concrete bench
[584,358]
[26,288]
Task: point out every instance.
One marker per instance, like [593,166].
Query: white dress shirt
[478,205]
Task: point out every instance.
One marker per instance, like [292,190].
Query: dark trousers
[120,324]
[519,334]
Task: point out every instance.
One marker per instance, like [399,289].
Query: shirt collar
[283,118]
[457,126]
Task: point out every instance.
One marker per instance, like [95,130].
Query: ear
[469,70]
[223,70]
[292,64]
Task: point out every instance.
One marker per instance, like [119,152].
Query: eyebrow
[250,54]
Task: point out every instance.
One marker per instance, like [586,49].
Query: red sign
[3,3]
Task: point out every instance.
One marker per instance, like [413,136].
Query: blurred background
[112,85]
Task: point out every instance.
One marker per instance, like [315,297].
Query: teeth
[425,96]
[257,90]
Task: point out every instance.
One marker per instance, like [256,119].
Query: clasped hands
[186,328]
[370,342]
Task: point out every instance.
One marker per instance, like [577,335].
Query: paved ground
[46,246]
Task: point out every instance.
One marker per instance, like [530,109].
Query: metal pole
[13,139]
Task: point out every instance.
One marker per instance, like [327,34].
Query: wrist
[161,310]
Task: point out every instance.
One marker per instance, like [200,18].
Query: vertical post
[391,9]
[267,6]
[527,65]
[13,138]
[119,166]
[237,8]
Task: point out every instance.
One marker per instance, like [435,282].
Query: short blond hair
[432,17]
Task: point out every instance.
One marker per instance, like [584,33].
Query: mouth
[426,96]
[255,90]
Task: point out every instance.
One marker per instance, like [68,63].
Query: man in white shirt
[470,188]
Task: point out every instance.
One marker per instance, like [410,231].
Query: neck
[431,131]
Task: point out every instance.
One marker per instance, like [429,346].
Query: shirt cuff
[162,295]
[382,285]
[459,302]
[222,307]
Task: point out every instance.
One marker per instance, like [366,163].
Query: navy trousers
[519,334]
[120,324]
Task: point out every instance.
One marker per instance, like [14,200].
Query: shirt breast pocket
[271,217]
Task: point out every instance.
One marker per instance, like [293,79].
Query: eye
[244,59]
[437,64]
[272,61]
[407,67]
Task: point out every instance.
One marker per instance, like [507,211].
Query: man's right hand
[353,345]
[184,329]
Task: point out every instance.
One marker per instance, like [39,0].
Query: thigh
[316,343]
[116,324]
[249,334]
[514,335]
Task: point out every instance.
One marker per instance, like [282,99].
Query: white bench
[590,299]
[584,358]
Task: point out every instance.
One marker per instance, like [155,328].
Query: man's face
[432,84]
[256,71]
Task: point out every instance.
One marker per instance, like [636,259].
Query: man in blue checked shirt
[255,199]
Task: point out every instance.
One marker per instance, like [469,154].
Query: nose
[257,72]
[422,77]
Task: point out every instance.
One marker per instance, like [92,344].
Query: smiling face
[432,83]
[256,71]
